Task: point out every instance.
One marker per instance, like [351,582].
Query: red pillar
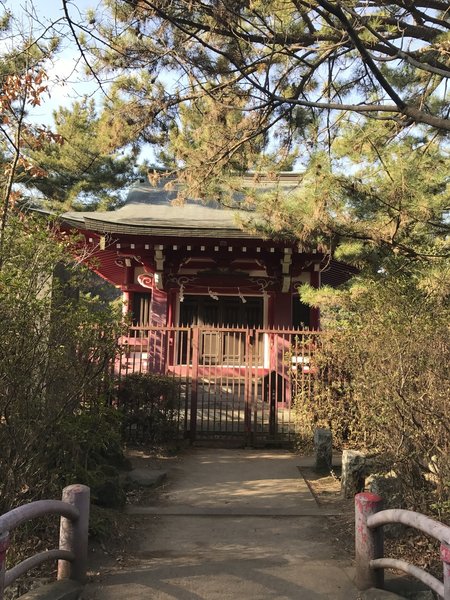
[171,307]
[159,340]
[158,317]
[128,279]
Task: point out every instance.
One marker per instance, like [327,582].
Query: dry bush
[383,383]
[55,357]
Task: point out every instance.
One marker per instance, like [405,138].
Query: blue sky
[66,78]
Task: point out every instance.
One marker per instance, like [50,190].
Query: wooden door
[221,347]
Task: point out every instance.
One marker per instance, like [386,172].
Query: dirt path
[230,524]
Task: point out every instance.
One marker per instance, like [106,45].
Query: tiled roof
[151,210]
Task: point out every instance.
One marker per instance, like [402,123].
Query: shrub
[55,357]
[92,453]
[150,405]
[384,383]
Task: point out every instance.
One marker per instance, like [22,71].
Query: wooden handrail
[72,553]
[33,510]
[370,562]
[416,572]
[413,519]
[34,561]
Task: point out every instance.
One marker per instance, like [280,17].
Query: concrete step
[375,594]
[185,510]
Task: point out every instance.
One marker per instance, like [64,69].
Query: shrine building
[194,264]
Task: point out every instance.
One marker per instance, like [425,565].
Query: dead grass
[326,489]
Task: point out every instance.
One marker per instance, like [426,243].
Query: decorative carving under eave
[145,280]
[128,260]
[286,263]
[201,285]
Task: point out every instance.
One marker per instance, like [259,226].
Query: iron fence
[232,381]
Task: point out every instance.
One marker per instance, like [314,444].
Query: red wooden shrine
[194,264]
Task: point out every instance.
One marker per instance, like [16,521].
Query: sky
[67,78]
[67,81]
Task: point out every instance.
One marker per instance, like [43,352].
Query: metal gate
[233,382]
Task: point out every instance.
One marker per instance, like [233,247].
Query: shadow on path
[266,553]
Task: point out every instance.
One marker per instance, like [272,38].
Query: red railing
[369,553]
[73,538]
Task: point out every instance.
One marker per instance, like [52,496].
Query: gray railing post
[73,535]
[368,542]
[4,544]
[445,556]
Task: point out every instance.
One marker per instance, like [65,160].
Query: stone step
[375,594]
[146,477]
[184,510]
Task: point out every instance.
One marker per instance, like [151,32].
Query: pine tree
[388,60]
[86,171]
[355,90]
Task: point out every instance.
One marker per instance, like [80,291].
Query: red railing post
[4,544]
[368,542]
[445,556]
[73,535]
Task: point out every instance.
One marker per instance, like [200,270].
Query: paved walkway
[232,524]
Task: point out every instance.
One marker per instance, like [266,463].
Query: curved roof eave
[151,210]
[162,230]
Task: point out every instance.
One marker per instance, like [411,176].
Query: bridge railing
[73,537]
[369,554]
